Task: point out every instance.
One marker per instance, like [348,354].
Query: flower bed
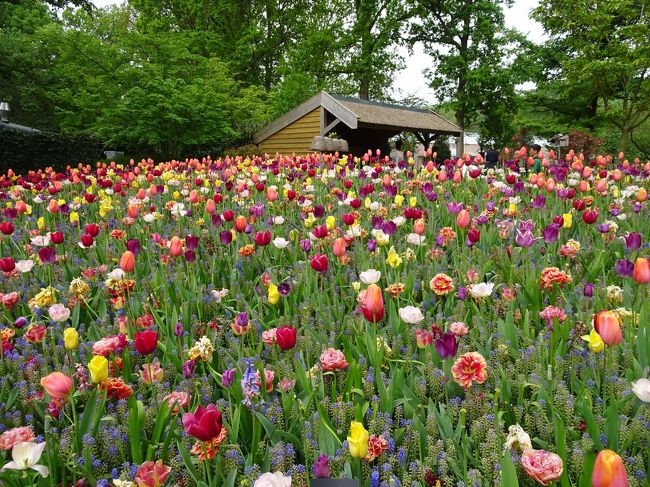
[268,321]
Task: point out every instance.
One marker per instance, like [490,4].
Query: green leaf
[508,471]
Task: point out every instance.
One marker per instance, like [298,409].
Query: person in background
[537,160]
[491,159]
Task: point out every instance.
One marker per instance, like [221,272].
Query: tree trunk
[460,141]
[364,88]
[626,135]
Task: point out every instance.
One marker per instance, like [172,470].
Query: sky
[411,81]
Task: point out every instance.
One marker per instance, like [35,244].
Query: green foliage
[24,151]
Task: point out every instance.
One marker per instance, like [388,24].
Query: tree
[607,46]
[471,50]
[350,45]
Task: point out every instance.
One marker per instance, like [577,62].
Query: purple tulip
[20,322]
[551,232]
[490,205]
[518,187]
[482,219]
[624,268]
[447,346]
[190,256]
[539,201]
[462,293]
[305,245]
[633,241]
[47,255]
[188,368]
[178,329]
[376,222]
[216,220]
[133,245]
[319,211]
[322,467]
[440,240]
[603,227]
[191,242]
[526,225]
[454,208]
[228,377]
[588,290]
[284,288]
[525,239]
[389,228]
[225,237]
[372,245]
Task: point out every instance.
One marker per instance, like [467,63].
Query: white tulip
[25,455]
[280,243]
[273,480]
[642,389]
[371,276]
[481,290]
[24,265]
[411,314]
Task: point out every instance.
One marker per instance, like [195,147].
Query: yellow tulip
[41,223]
[367,202]
[393,259]
[413,201]
[399,200]
[98,368]
[330,223]
[596,343]
[568,220]
[309,221]
[70,338]
[358,440]
[356,285]
[274,295]
[74,217]
[293,235]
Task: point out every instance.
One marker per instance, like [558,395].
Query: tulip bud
[609,470]
[641,273]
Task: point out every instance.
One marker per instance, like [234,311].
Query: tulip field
[273,320]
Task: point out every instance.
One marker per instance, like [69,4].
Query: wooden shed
[363,124]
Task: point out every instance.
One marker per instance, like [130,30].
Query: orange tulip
[210,206]
[373,304]
[133,211]
[176,246]
[457,177]
[271,193]
[607,326]
[601,186]
[641,195]
[240,223]
[583,186]
[617,175]
[442,176]
[53,206]
[194,196]
[641,273]
[57,385]
[609,470]
[340,247]
[21,207]
[127,262]
[462,220]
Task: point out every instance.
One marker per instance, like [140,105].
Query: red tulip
[262,238]
[7,264]
[47,255]
[641,273]
[348,219]
[320,231]
[462,219]
[609,470]
[320,263]
[607,326]
[56,238]
[205,424]
[474,235]
[57,385]
[228,215]
[92,229]
[87,240]
[146,341]
[127,262]
[373,304]
[7,228]
[590,216]
[286,336]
